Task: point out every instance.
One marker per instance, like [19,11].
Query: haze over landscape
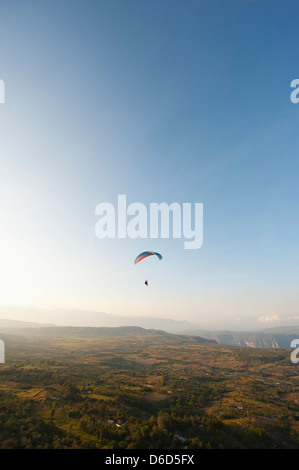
[198,111]
[80,317]
[118,329]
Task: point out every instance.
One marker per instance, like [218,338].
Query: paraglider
[145,254]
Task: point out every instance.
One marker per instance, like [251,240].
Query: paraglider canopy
[145,254]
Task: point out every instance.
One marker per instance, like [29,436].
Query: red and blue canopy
[145,254]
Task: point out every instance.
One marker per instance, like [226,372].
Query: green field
[170,391]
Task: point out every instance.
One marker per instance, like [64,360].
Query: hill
[93,332]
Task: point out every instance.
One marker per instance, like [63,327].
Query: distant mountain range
[7,323]
[279,337]
[92,322]
[88,332]
[74,317]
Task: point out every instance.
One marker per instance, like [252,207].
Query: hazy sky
[160,101]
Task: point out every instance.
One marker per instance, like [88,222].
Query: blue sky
[161,101]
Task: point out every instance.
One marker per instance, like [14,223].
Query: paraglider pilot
[145,254]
